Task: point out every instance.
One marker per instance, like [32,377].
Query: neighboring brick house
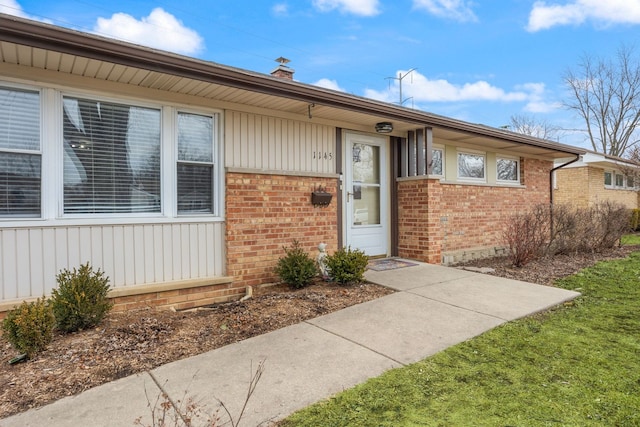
[183,179]
[597,177]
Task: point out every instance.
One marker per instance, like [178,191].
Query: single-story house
[597,177]
[183,179]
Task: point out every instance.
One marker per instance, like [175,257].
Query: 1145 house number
[319,155]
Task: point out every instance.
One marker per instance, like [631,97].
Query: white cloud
[356,7]
[459,10]
[536,102]
[328,84]
[160,30]
[280,9]
[422,89]
[576,12]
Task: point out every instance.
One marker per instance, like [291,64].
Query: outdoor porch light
[384,127]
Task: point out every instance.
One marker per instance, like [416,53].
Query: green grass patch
[576,365]
[631,239]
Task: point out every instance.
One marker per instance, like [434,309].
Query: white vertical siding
[30,258]
[268,143]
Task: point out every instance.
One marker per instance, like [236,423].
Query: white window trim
[52,155]
[440,148]
[613,176]
[508,181]
[214,162]
[40,151]
[473,153]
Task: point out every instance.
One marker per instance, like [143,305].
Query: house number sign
[320,155]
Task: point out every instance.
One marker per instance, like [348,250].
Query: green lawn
[631,239]
[577,365]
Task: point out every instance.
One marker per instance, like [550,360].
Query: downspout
[551,176]
[551,191]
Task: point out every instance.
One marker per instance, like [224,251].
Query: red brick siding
[435,218]
[265,213]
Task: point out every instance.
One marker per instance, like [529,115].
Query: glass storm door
[366,194]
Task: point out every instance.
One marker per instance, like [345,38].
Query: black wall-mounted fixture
[320,197]
[384,127]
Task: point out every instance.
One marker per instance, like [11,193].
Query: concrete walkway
[435,307]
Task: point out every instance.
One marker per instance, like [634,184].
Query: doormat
[388,264]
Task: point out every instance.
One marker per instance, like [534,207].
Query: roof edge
[51,37]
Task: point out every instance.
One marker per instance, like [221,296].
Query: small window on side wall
[619,180]
[507,170]
[471,166]
[608,179]
[437,167]
[630,182]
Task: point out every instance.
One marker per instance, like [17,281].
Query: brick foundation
[177,295]
[266,213]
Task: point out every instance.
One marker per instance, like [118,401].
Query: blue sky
[481,61]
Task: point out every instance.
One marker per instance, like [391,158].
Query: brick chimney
[282,71]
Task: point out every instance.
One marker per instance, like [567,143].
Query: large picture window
[111,157]
[195,163]
[20,156]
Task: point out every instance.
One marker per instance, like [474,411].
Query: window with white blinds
[111,157]
[20,155]
[195,163]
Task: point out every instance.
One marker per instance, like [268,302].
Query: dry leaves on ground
[127,343]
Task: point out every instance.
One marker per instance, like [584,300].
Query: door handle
[349,194]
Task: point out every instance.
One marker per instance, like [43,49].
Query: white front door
[366,194]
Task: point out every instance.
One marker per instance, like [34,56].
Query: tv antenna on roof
[399,79]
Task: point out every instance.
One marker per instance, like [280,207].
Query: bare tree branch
[606,95]
[532,126]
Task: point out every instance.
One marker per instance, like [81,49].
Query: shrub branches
[545,230]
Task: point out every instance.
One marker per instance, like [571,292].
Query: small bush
[347,266]
[611,220]
[80,301]
[29,327]
[296,268]
[527,234]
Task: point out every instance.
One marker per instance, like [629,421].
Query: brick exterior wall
[584,186]
[572,187]
[436,219]
[267,212]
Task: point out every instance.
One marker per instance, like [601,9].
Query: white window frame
[38,152]
[511,159]
[633,179]
[215,166]
[604,179]
[615,180]
[52,161]
[471,153]
[442,158]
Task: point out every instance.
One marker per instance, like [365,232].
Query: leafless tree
[532,126]
[606,94]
